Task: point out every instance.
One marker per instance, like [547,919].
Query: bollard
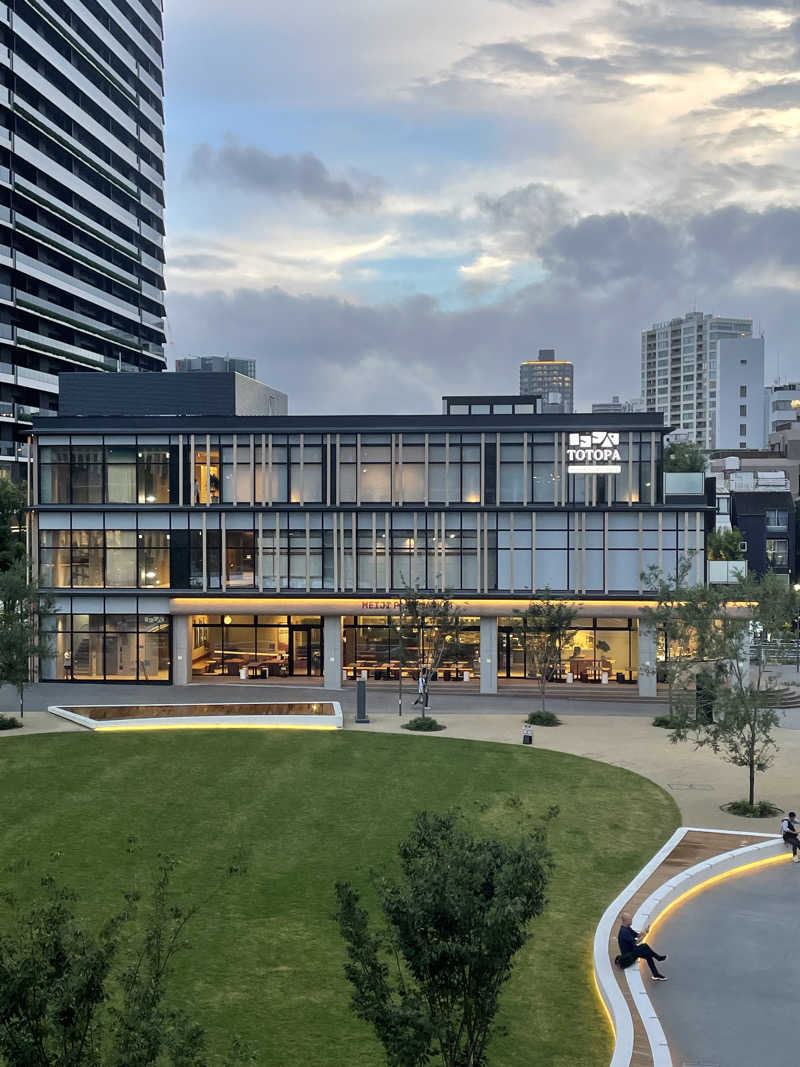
[361,701]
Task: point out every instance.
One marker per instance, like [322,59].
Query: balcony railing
[685,483]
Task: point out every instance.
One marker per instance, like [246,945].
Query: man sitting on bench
[630,945]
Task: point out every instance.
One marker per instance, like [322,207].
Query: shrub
[8,722]
[665,722]
[424,724]
[543,718]
[762,809]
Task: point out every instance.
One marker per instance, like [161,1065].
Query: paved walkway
[732,1000]
[612,732]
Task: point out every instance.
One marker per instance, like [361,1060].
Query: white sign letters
[596,452]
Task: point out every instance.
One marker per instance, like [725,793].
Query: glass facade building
[81,198]
[279,546]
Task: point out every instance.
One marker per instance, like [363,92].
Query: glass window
[240,559]
[153,558]
[87,558]
[778,552]
[54,559]
[54,474]
[87,474]
[777,519]
[120,474]
[121,559]
[152,466]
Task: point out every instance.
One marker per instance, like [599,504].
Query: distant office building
[740,393]
[781,407]
[273,401]
[216,365]
[615,405]
[550,378]
[679,370]
[81,189]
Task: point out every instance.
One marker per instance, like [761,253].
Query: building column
[647,661]
[332,644]
[489,655]
[181,649]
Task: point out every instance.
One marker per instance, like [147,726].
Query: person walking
[630,944]
[68,664]
[790,836]
[421,688]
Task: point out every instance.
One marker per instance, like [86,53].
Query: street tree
[686,456]
[23,633]
[12,524]
[429,981]
[748,696]
[548,628]
[430,629]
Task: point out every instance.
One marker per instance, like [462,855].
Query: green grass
[265,960]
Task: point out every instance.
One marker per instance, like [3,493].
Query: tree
[428,627]
[724,544]
[748,698]
[684,457]
[22,637]
[12,524]
[548,627]
[455,922]
[668,619]
[63,1001]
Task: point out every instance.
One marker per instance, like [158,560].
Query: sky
[386,202]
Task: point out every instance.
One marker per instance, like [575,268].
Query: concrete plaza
[733,970]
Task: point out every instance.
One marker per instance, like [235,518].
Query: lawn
[265,959]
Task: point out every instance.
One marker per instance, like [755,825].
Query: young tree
[748,698]
[22,638]
[454,925]
[684,457]
[64,1003]
[429,627]
[548,627]
[667,619]
[724,544]
[12,524]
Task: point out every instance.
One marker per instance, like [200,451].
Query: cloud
[252,169]
[607,276]
[778,96]
[200,261]
[527,215]
[486,269]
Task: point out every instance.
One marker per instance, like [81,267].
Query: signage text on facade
[596,452]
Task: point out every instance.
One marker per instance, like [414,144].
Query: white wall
[740,365]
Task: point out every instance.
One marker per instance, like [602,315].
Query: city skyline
[375,205]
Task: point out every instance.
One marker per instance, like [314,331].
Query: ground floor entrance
[256,646]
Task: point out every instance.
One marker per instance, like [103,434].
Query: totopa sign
[596,452]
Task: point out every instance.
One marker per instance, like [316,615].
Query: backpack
[625,959]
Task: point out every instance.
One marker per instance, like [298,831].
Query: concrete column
[181,649]
[647,661]
[332,643]
[489,655]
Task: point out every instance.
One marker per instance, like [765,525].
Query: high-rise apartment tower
[81,198]
[550,378]
[679,370]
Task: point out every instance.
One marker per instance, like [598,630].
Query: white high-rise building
[679,370]
[740,393]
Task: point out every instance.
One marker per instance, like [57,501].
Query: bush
[762,809]
[665,722]
[424,724]
[543,718]
[8,722]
